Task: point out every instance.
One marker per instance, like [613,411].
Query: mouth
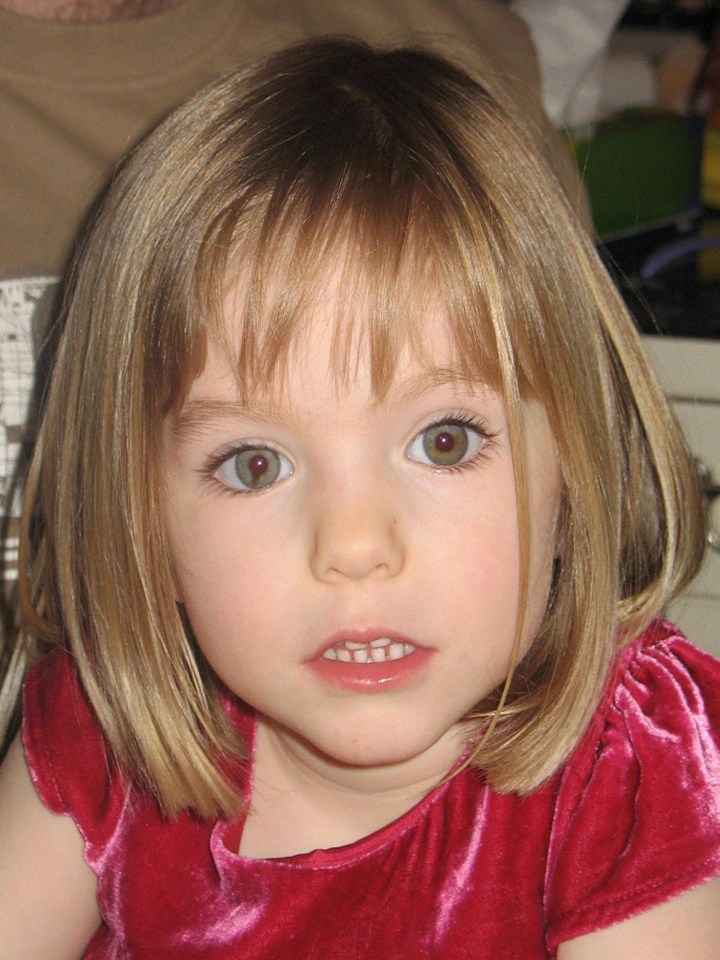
[367,660]
[378,650]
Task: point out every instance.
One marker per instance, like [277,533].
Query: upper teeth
[376,651]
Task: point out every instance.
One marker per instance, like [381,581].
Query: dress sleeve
[66,752]
[637,819]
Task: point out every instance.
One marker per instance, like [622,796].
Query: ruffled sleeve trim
[66,752]
[637,818]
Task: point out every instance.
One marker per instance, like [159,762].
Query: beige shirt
[74,97]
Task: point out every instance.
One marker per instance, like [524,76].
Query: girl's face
[350,566]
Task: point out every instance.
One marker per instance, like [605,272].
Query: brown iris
[446,444]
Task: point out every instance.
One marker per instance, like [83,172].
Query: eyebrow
[205,411]
[440,377]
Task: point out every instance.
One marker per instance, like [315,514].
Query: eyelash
[208,472]
[452,419]
[461,419]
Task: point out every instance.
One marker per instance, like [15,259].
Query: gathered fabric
[631,820]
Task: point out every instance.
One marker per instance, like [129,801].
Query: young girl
[353,511]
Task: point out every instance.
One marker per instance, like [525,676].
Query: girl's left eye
[448,444]
[253,468]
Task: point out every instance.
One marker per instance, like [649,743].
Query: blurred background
[636,88]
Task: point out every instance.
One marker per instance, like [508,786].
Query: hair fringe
[396,164]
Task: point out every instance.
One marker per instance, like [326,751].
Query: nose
[356,536]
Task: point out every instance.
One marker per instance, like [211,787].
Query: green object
[640,168]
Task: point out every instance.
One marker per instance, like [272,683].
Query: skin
[87,11]
[363,530]
[47,892]
[686,928]
[361,536]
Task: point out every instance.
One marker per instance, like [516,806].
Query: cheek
[471,556]
[227,574]
[479,566]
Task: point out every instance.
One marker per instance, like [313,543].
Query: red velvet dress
[631,820]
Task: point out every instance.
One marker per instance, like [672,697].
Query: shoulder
[637,819]
[47,892]
[684,928]
[663,697]
[663,656]
[484,36]
[66,754]
[393,20]
[664,692]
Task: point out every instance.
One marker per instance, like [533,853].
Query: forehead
[339,328]
[327,366]
[330,356]
[310,395]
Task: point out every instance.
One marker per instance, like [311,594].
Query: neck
[87,11]
[302,802]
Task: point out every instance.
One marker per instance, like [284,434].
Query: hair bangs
[384,184]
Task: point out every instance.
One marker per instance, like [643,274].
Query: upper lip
[365,636]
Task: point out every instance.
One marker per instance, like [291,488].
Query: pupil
[257,466]
[444,442]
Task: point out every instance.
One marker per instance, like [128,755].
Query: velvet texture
[630,821]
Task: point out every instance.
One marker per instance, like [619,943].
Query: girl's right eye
[253,468]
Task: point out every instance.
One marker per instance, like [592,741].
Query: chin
[394,751]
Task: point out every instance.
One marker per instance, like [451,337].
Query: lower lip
[371,676]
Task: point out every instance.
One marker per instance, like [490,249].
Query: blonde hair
[432,188]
